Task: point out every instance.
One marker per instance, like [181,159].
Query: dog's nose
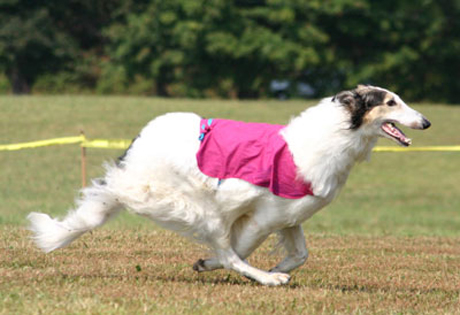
[426,123]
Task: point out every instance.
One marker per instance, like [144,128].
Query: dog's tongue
[396,133]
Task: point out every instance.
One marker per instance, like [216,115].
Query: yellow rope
[124,144]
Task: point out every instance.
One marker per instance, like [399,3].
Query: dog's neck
[325,148]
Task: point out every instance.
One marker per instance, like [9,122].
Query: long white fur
[159,179]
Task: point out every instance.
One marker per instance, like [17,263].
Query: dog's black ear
[353,102]
[349,99]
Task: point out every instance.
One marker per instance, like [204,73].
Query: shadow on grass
[231,279]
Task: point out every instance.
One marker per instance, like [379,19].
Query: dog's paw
[199,265]
[277,278]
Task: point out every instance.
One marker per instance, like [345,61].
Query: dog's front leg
[293,240]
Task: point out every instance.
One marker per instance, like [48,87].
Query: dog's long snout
[425,123]
[420,123]
[409,117]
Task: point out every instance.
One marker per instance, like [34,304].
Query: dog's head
[377,110]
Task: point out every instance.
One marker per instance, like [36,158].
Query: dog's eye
[391,103]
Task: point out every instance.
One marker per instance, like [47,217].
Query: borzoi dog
[232,184]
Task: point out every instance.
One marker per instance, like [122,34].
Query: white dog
[159,178]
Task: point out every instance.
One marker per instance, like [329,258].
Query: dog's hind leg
[95,207]
[293,240]
[246,236]
[230,260]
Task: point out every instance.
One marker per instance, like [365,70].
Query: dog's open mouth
[396,134]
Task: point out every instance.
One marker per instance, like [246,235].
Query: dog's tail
[95,207]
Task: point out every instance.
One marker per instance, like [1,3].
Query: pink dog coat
[254,152]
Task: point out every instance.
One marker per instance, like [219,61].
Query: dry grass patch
[142,271]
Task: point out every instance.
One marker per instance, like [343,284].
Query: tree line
[229,48]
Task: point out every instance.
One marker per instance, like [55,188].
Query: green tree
[411,47]
[29,43]
[231,48]
[193,46]
[44,37]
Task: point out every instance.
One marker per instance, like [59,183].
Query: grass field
[388,244]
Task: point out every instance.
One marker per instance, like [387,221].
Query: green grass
[149,272]
[387,245]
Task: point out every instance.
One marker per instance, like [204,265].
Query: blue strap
[203,127]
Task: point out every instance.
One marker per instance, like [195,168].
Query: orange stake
[83,164]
